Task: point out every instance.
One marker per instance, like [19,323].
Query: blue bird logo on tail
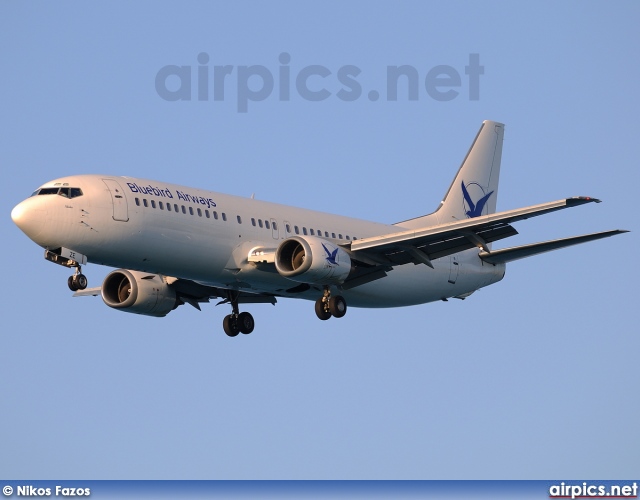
[475,209]
[331,256]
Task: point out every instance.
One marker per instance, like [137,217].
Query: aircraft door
[454,269]
[275,229]
[120,207]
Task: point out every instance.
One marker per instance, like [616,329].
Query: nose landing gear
[78,281]
[69,258]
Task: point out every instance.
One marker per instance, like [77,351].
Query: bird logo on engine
[331,256]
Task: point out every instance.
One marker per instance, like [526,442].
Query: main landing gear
[242,322]
[78,281]
[237,322]
[327,306]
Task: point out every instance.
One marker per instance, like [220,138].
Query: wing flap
[510,254]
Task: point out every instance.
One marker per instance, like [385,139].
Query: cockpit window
[65,191]
[47,191]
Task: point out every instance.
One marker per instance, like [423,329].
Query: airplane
[177,245]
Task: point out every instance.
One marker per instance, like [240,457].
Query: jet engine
[139,293]
[312,260]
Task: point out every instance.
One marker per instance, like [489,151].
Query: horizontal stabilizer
[515,253]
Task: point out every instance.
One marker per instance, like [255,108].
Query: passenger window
[304,230]
[275,226]
[199,213]
[144,202]
[260,222]
[253,221]
[168,207]
[206,213]
[287,227]
[138,201]
[175,207]
[266,224]
[312,232]
[339,236]
[333,235]
[161,205]
[191,210]
[153,204]
[224,217]
[348,237]
[239,219]
[215,215]
[184,210]
[296,229]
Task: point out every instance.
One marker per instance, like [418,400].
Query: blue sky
[534,377]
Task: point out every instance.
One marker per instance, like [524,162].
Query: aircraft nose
[29,219]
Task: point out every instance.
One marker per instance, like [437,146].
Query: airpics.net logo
[589,490]
[208,81]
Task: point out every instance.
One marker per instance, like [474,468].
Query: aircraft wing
[192,293]
[433,242]
[88,292]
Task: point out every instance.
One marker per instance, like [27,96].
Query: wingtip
[590,199]
[579,200]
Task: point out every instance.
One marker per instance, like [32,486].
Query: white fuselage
[206,237]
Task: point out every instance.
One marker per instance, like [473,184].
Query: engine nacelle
[312,260]
[139,293]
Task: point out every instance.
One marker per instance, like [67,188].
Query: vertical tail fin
[474,190]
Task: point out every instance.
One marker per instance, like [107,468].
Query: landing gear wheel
[81,281]
[337,306]
[78,281]
[73,286]
[237,322]
[321,311]
[245,323]
[230,325]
